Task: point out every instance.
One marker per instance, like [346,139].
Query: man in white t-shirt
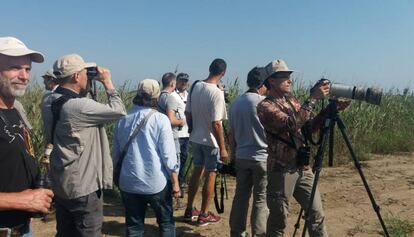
[180,94]
[205,111]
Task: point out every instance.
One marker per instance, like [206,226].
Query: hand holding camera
[102,75]
[320,90]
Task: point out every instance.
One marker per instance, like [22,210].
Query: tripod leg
[297,225]
[331,143]
[376,208]
[317,167]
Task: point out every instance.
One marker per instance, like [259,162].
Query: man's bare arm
[31,200]
[219,135]
[173,120]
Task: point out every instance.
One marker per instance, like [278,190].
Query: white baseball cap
[11,46]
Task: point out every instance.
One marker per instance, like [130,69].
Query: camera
[226,168]
[368,94]
[42,181]
[92,72]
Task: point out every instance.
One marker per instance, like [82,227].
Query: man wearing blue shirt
[150,166]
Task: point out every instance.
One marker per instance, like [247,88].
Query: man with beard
[18,169]
[80,163]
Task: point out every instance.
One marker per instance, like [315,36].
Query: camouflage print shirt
[285,117]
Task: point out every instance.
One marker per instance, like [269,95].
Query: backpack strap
[118,166]
[56,108]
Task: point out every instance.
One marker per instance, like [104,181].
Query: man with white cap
[80,163]
[18,168]
[49,79]
[149,168]
[282,116]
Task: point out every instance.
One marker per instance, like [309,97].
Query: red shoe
[208,218]
[191,214]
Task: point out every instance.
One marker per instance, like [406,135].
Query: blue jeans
[183,159]
[206,156]
[136,206]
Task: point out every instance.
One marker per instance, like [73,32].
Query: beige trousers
[281,187]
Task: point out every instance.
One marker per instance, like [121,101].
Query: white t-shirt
[182,100]
[206,105]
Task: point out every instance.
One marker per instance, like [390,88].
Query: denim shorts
[206,156]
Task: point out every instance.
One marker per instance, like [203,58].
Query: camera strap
[289,143]
[191,90]
[57,106]
[118,166]
[220,205]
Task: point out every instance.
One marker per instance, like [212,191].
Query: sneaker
[209,218]
[191,214]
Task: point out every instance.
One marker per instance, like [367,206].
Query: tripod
[328,130]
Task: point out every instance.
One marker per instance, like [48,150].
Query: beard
[14,87]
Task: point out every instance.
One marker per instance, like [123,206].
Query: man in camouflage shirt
[282,114]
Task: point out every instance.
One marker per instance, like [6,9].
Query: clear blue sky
[350,41]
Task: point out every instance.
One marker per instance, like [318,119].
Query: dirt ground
[348,209]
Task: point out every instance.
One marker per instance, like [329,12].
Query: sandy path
[347,206]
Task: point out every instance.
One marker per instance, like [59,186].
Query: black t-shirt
[18,168]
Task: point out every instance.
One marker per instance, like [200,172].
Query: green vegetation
[398,227]
[384,129]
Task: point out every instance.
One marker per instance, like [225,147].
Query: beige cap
[49,73]
[69,64]
[150,87]
[11,46]
[277,66]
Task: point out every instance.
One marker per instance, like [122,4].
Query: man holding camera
[18,169]
[80,163]
[205,111]
[247,140]
[289,174]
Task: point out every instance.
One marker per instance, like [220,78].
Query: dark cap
[256,77]
[183,76]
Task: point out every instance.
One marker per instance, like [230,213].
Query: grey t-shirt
[169,102]
[248,132]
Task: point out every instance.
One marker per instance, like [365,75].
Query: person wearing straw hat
[80,162]
[282,116]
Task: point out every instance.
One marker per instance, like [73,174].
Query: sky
[355,42]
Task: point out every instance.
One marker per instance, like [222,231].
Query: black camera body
[92,72]
[226,169]
[42,181]
[303,156]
